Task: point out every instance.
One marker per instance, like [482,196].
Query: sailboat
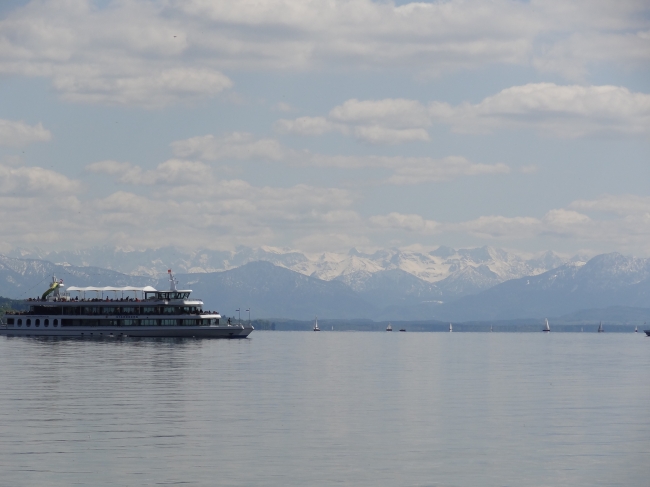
[636,329]
[600,327]
[491,328]
[451,328]
[389,327]
[546,327]
[316,325]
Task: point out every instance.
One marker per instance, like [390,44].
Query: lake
[329,408]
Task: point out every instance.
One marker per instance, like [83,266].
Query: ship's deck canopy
[111,289]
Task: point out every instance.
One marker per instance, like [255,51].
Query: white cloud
[309,126]
[627,204]
[388,121]
[421,170]
[156,88]
[173,171]
[406,170]
[19,134]
[151,53]
[562,111]
[129,53]
[27,181]
[178,203]
[236,145]
[376,134]
[394,113]
[399,221]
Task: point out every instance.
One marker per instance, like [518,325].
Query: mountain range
[471,285]
[453,272]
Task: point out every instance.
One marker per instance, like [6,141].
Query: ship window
[38,322]
[148,322]
[168,322]
[46,322]
[10,321]
[20,322]
[189,322]
[56,322]
[29,322]
[130,322]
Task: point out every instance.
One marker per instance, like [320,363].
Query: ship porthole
[20,322]
[46,323]
[29,322]
[38,322]
[56,323]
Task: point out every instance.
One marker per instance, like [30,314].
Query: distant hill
[274,292]
[24,278]
[604,281]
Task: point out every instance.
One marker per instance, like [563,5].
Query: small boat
[600,327]
[451,328]
[389,327]
[316,325]
[636,329]
[402,329]
[546,327]
[647,332]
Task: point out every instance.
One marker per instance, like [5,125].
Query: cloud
[127,53]
[179,203]
[236,145]
[381,135]
[19,134]
[420,170]
[627,204]
[406,170]
[309,126]
[561,111]
[388,121]
[394,113]
[173,171]
[399,221]
[154,89]
[152,53]
[25,181]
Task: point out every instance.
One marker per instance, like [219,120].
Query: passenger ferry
[156,313]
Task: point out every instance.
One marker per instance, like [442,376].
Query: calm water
[320,409]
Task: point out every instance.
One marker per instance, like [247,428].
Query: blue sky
[323,125]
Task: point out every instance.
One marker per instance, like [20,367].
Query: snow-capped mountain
[454,272]
[606,280]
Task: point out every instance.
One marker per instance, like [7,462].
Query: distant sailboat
[546,327]
[491,328]
[600,327]
[451,328]
[316,325]
[636,329]
[389,327]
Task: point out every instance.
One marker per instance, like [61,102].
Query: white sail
[600,327]
[451,328]
[546,327]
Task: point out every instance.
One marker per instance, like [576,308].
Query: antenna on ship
[172,281]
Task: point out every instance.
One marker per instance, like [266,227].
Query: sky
[323,125]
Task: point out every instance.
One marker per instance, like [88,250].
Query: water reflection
[297,408]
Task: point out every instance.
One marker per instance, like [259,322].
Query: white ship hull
[236,331]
